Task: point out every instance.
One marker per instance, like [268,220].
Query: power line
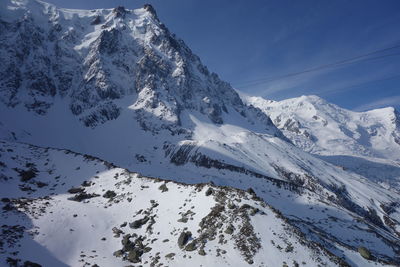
[290,75]
[352,60]
[363,83]
[338,63]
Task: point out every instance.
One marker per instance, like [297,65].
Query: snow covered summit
[99,62]
[324,128]
[117,85]
[367,143]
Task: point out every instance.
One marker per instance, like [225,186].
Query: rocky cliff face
[94,58]
[116,84]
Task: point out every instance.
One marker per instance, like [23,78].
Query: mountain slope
[367,143]
[128,91]
[94,60]
[76,210]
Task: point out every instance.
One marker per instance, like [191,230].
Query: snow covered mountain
[112,217]
[93,60]
[367,143]
[117,85]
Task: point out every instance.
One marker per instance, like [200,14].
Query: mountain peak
[93,59]
[118,85]
[320,127]
[119,11]
[150,9]
[312,98]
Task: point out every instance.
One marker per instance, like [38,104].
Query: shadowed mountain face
[380,171]
[117,85]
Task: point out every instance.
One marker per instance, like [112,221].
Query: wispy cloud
[306,46]
[351,83]
[327,82]
[383,102]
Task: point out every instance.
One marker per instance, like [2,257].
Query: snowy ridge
[117,85]
[307,119]
[367,143]
[126,218]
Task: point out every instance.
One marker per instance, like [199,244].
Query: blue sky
[248,41]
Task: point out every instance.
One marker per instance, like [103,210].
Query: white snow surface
[131,93]
[367,143]
[61,232]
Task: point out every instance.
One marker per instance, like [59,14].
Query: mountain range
[367,143]
[94,103]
